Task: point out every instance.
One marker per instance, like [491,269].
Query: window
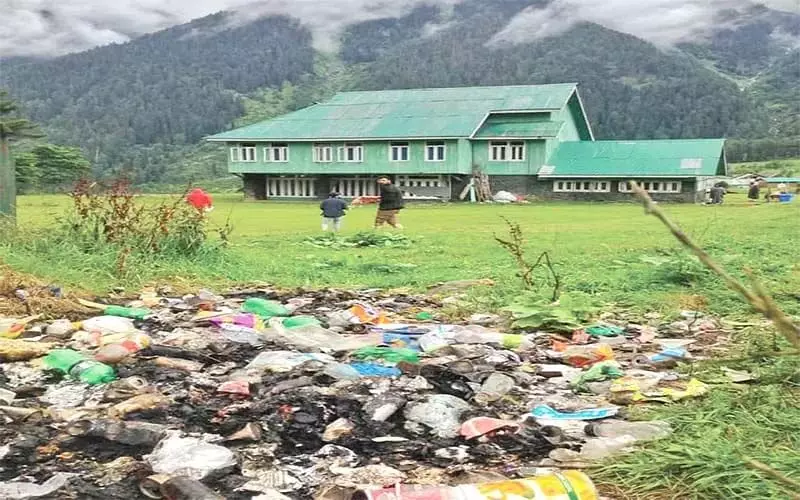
[243,153]
[351,153]
[421,181]
[277,152]
[398,151]
[497,151]
[323,153]
[507,151]
[581,186]
[517,151]
[434,151]
[652,187]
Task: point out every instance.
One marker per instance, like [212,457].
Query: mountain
[142,107]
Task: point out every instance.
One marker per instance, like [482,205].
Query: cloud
[664,22]
[55,27]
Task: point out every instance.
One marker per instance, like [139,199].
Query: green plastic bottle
[264,308]
[127,312]
[79,367]
[298,321]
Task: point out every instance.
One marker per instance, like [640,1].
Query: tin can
[567,485]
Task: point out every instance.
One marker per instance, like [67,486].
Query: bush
[115,217]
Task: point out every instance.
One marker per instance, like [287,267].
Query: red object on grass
[199,199]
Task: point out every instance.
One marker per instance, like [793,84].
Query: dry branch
[758,297]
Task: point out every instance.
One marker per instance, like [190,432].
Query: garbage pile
[328,394]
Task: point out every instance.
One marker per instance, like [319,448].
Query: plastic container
[785,197]
[264,308]
[77,366]
[570,484]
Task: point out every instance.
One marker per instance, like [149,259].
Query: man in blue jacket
[333,209]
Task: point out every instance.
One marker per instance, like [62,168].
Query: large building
[531,139]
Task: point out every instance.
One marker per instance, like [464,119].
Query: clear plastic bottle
[475,334]
[599,448]
[654,429]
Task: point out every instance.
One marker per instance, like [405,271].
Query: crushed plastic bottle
[264,308]
[77,366]
[476,334]
[653,429]
[598,448]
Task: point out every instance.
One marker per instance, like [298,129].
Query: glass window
[398,151]
[435,151]
[517,151]
[323,153]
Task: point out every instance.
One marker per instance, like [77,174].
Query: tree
[57,165]
[12,127]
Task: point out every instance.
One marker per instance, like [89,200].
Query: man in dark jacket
[390,205]
[333,209]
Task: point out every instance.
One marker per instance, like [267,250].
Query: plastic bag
[18,490]
[109,325]
[190,457]
[264,308]
[284,361]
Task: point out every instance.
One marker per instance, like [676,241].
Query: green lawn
[604,249]
[610,251]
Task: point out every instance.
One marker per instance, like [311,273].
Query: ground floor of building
[452,187]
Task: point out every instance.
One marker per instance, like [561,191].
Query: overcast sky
[54,27]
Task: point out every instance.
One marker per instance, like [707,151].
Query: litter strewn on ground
[324,394]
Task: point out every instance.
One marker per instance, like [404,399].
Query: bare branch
[759,299]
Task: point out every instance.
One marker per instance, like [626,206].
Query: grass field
[611,251]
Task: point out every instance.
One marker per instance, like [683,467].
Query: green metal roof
[782,180]
[407,114]
[519,130]
[656,158]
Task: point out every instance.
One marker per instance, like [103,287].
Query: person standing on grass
[333,209]
[752,193]
[390,205]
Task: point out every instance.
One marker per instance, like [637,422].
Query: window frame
[242,155]
[507,150]
[581,186]
[655,187]
[434,146]
[399,147]
[269,152]
[358,156]
[317,148]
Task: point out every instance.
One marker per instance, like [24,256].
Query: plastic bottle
[298,321]
[127,312]
[77,366]
[598,448]
[264,308]
[474,334]
[653,429]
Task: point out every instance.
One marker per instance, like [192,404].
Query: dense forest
[142,108]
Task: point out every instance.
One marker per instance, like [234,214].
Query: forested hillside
[142,107]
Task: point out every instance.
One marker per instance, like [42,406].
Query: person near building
[390,205]
[333,209]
